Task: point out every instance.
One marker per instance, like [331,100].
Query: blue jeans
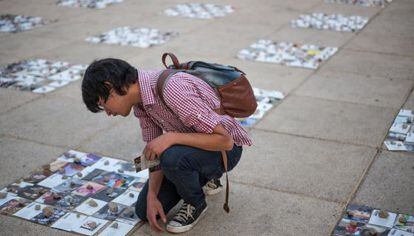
[186,169]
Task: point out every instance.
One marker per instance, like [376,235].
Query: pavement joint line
[293,91]
[91,136]
[10,136]
[20,105]
[286,191]
[317,138]
[343,101]
[355,190]
[340,48]
[365,173]
[366,75]
[381,53]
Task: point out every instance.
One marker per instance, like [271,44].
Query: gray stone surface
[356,88]
[19,158]
[123,141]
[12,98]
[312,117]
[258,211]
[389,183]
[14,226]
[325,38]
[372,64]
[373,40]
[312,167]
[409,104]
[59,121]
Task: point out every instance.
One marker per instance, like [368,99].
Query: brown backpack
[236,94]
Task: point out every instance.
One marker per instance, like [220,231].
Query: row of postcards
[365,220]
[401,133]
[79,192]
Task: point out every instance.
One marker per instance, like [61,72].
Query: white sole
[213,192]
[177,230]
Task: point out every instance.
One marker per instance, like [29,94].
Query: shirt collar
[146,82]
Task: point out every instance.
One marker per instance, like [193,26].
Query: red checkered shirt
[190,103]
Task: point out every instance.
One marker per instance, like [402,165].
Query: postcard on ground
[138,184]
[90,225]
[70,221]
[89,189]
[53,181]
[117,228]
[358,213]
[90,206]
[405,222]
[46,218]
[382,218]
[31,210]
[111,211]
[127,198]
[128,216]
[32,192]
[13,205]
[114,180]
[397,232]
[348,228]
[109,194]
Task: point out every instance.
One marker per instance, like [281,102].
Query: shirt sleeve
[182,97]
[150,130]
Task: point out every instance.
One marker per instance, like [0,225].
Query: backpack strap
[162,78]
[174,59]
[226,203]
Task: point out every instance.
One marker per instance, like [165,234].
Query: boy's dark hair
[103,75]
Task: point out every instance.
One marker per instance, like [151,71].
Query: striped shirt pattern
[190,102]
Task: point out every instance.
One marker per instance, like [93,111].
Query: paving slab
[123,141]
[321,169]
[325,38]
[385,37]
[371,64]
[258,211]
[409,104]
[20,157]
[54,120]
[15,226]
[340,121]
[345,9]
[221,42]
[399,12]
[26,44]
[269,75]
[389,183]
[355,88]
[11,98]
[47,9]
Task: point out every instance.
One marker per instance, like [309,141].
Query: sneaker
[186,218]
[212,187]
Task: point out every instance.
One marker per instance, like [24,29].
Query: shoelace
[184,212]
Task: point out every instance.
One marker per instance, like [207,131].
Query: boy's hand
[154,208]
[158,145]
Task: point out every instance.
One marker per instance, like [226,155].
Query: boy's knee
[170,158]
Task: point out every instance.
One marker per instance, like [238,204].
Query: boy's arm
[154,206]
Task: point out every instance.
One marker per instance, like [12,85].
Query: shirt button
[162,121]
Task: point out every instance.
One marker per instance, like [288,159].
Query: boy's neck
[135,94]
